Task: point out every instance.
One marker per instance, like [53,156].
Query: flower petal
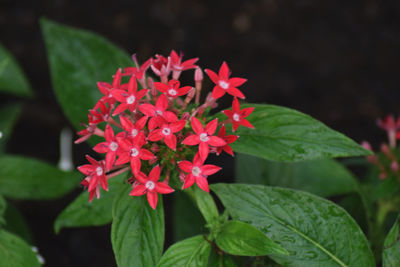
[189,181]
[218,92]
[202,183]
[203,150]
[196,125]
[185,166]
[148,109]
[170,141]
[209,169]
[138,190]
[235,92]
[211,127]
[213,76]
[155,135]
[191,140]
[152,198]
[154,174]
[163,188]
[235,82]
[216,141]
[224,71]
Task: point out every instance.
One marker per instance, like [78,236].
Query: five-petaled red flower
[166,132]
[131,129]
[158,112]
[128,99]
[203,137]
[110,147]
[229,139]
[172,89]
[224,84]
[95,173]
[238,116]
[177,65]
[150,186]
[197,172]
[132,151]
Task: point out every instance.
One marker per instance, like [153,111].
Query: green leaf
[8,118]
[391,250]
[16,224]
[12,79]
[324,177]
[239,238]
[283,134]
[28,178]
[206,205]
[82,213]
[222,260]
[3,206]
[315,231]
[187,220]
[14,252]
[191,252]
[78,60]
[137,232]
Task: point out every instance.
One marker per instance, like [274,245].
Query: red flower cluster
[157,127]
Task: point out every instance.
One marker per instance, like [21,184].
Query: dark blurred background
[334,60]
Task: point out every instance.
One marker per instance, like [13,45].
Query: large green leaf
[283,134]
[191,252]
[28,178]
[3,206]
[81,212]
[16,224]
[8,118]
[239,238]
[78,60]
[206,205]
[12,79]
[186,218]
[315,231]
[137,232]
[391,250]
[325,177]
[14,252]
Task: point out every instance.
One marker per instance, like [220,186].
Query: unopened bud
[198,75]
[185,116]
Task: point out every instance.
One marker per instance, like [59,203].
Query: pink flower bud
[394,166]
[198,75]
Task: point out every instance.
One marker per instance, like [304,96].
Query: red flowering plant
[159,127]
[156,132]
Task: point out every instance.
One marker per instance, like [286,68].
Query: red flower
[224,84]
[204,137]
[106,88]
[150,186]
[128,99]
[100,112]
[238,116]
[197,172]
[172,89]
[177,65]
[110,147]
[166,132]
[137,71]
[132,130]
[132,151]
[229,139]
[161,65]
[158,112]
[391,126]
[95,176]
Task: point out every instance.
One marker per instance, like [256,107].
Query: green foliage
[3,206]
[28,178]
[78,59]
[8,117]
[14,252]
[16,224]
[313,230]
[12,79]
[206,205]
[324,177]
[391,251]
[239,238]
[186,218]
[283,134]
[191,252]
[81,212]
[137,232]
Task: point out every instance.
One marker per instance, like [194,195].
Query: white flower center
[131,99]
[172,92]
[166,131]
[236,117]
[203,137]
[223,84]
[134,132]
[134,152]
[113,146]
[99,171]
[150,185]
[159,112]
[196,171]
